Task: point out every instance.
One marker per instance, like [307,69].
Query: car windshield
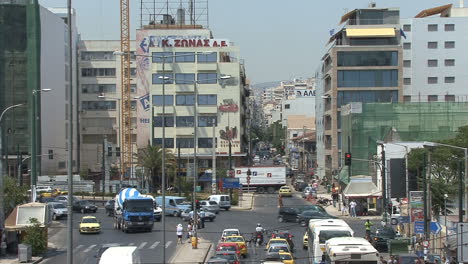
[212,203]
[285,257]
[227,256]
[89,220]
[234,239]
[282,235]
[85,202]
[327,234]
[59,205]
[139,205]
[278,248]
[231,233]
[386,232]
[180,201]
[227,248]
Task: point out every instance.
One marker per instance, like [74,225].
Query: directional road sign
[231,183]
[435,228]
[419,227]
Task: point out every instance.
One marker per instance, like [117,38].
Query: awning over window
[361,189]
[370,32]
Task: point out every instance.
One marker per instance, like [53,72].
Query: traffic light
[347,160]
[197,204]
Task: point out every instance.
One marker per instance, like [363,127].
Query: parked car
[289,214]
[185,215]
[84,206]
[64,199]
[210,206]
[110,207]
[59,210]
[209,216]
[380,237]
[41,189]
[304,217]
[256,158]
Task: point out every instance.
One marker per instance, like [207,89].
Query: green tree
[151,159]
[14,194]
[36,237]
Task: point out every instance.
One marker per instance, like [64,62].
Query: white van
[222,200]
[121,255]
[350,250]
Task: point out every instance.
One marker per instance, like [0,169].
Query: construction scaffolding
[366,123]
[183,13]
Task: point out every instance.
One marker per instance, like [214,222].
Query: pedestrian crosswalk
[140,245]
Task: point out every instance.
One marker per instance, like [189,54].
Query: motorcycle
[259,240]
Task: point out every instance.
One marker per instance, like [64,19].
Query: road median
[186,254]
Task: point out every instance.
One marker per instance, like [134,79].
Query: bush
[35,236]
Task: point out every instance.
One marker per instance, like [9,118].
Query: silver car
[59,210]
[210,206]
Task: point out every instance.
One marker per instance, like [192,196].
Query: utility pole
[460,193]
[349,166]
[104,158]
[424,183]
[384,185]
[179,184]
[213,175]
[427,218]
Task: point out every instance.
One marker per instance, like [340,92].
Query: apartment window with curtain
[160,57]
[185,57]
[432,45]
[450,62]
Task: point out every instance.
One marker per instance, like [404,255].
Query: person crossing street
[368,224]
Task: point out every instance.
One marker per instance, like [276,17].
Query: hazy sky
[279,39]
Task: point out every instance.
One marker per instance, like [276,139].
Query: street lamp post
[384,182]
[2,187]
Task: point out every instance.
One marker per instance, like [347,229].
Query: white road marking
[78,247]
[131,244]
[168,243]
[155,244]
[89,248]
[142,245]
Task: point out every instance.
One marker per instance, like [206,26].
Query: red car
[229,246]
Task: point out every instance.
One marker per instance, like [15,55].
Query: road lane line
[142,245]
[131,244]
[155,244]
[78,248]
[168,243]
[89,248]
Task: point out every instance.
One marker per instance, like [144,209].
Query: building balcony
[168,109]
[207,66]
[207,109]
[184,88]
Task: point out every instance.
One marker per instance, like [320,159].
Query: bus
[319,231]
[349,250]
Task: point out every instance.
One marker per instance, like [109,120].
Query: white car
[41,189]
[59,210]
[230,232]
[210,206]
[256,159]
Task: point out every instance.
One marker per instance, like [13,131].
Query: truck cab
[174,204]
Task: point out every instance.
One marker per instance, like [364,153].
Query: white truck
[262,178]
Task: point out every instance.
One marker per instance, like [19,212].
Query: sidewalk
[12,259]
[245,202]
[186,254]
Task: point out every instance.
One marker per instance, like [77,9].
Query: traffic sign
[254,173]
[403,219]
[435,228]
[231,183]
[419,227]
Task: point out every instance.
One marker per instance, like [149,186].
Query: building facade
[363,64]
[204,83]
[434,57]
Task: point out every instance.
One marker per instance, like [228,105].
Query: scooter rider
[259,232]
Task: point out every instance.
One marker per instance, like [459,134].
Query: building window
[432,80]
[449,44]
[98,72]
[287,106]
[207,77]
[449,79]
[407,45]
[431,63]
[432,98]
[185,78]
[185,142]
[207,58]
[449,98]
[185,57]
[61,165]
[205,142]
[159,78]
[185,121]
[98,88]
[207,121]
[407,63]
[386,96]
[168,142]
[432,45]
[159,57]
[207,99]
[407,98]
[449,27]
[407,81]
[158,100]
[98,105]
[449,62]
[407,28]
[133,88]
[367,58]
[368,78]
[51,154]
[158,121]
[132,72]
[186,99]
[432,27]
[97,55]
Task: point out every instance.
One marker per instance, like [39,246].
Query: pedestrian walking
[189,230]
[368,224]
[392,260]
[202,218]
[280,200]
[382,260]
[352,208]
[179,232]
[344,209]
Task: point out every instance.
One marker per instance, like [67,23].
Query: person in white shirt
[180,231]
[352,208]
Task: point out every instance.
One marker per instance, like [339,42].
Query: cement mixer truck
[133,211]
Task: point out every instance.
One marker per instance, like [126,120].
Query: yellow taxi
[285,191]
[54,193]
[277,241]
[305,240]
[240,242]
[90,224]
[286,257]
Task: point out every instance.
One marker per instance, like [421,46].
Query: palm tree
[151,159]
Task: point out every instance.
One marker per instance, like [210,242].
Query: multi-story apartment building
[434,55]
[363,64]
[204,83]
[100,102]
[26,73]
